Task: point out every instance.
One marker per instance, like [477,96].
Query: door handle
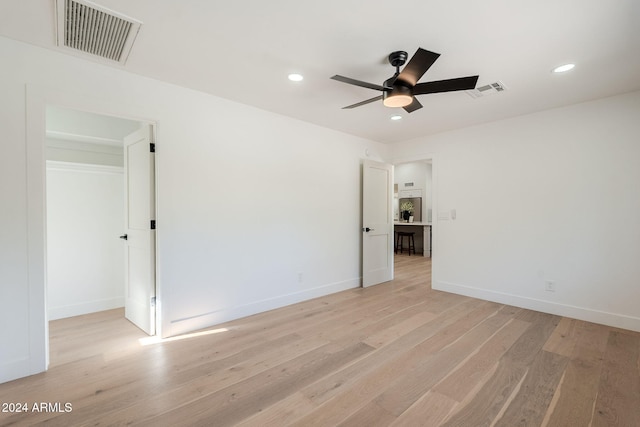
[124,237]
[367,229]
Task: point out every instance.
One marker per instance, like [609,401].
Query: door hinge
[153,224]
[152,147]
[153,301]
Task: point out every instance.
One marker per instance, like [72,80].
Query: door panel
[377,223]
[140,292]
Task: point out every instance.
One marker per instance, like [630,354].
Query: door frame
[37,99]
[434,199]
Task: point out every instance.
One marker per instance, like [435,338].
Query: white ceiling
[244,50]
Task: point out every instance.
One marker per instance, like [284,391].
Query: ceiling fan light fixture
[398,97]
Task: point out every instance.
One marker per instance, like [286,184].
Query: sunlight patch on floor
[158,340]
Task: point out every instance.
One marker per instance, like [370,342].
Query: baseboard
[86,307]
[204,320]
[580,313]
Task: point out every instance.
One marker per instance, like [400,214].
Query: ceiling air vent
[86,27]
[486,90]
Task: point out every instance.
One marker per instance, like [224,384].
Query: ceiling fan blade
[415,105]
[450,85]
[358,83]
[419,63]
[368,101]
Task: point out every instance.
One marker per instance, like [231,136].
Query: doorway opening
[85,216]
[413,207]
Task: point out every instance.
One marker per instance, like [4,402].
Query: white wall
[81,152]
[420,174]
[547,196]
[65,123]
[85,257]
[247,200]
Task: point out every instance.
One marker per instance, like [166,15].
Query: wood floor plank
[563,339]
[387,335]
[420,376]
[430,410]
[618,402]
[375,416]
[399,353]
[576,394]
[176,392]
[345,392]
[88,335]
[529,405]
[360,395]
[332,385]
[244,399]
[461,382]
[282,413]
[489,401]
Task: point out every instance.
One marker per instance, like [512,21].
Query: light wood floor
[397,354]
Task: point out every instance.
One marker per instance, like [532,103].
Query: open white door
[140,252]
[377,223]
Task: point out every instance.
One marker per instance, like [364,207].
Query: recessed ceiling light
[295,77]
[396,117]
[564,68]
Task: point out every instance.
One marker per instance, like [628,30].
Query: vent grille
[94,30]
[486,90]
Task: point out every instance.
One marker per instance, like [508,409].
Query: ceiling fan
[400,89]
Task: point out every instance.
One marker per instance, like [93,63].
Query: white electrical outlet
[299,277]
[550,286]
